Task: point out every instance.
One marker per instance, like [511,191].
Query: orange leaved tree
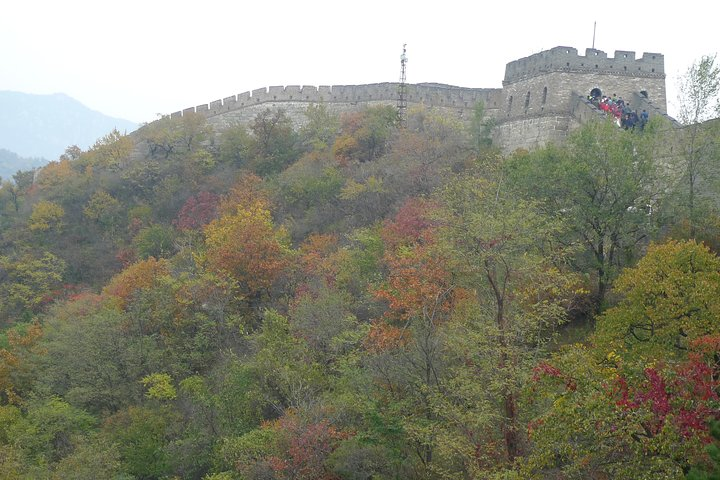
[246,246]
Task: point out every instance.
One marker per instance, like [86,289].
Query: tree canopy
[348,297]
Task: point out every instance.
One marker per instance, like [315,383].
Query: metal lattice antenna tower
[402,88]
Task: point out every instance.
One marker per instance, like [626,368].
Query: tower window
[527,102]
[544,99]
[509,107]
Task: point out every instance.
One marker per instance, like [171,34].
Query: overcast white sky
[135,59]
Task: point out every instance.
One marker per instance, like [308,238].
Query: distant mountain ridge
[45,125]
[11,162]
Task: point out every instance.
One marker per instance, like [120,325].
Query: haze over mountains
[38,128]
[11,162]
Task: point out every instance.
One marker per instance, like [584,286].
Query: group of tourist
[624,115]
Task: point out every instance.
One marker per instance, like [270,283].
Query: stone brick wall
[347,97]
[296,111]
[552,92]
[542,99]
[527,133]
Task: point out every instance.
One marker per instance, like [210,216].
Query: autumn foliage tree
[197,211]
[472,300]
[609,419]
[305,448]
[290,447]
[315,257]
[364,135]
[245,245]
[670,298]
[162,136]
[418,283]
[635,403]
[46,216]
[55,173]
[248,190]
[137,276]
[103,209]
[109,151]
[29,282]
[502,251]
[14,366]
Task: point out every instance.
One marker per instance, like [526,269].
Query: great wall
[543,96]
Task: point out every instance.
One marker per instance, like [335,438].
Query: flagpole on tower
[594,26]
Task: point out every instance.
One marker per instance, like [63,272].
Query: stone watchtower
[545,95]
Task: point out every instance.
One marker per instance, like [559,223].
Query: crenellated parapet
[567,59]
[438,95]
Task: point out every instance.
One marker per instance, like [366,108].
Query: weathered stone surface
[542,98]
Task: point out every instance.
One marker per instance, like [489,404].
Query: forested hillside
[361,299]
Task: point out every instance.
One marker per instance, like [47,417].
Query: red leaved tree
[197,211]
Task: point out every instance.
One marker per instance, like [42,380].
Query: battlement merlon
[567,59]
[431,94]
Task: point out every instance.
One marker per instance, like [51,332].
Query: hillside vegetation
[359,300]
